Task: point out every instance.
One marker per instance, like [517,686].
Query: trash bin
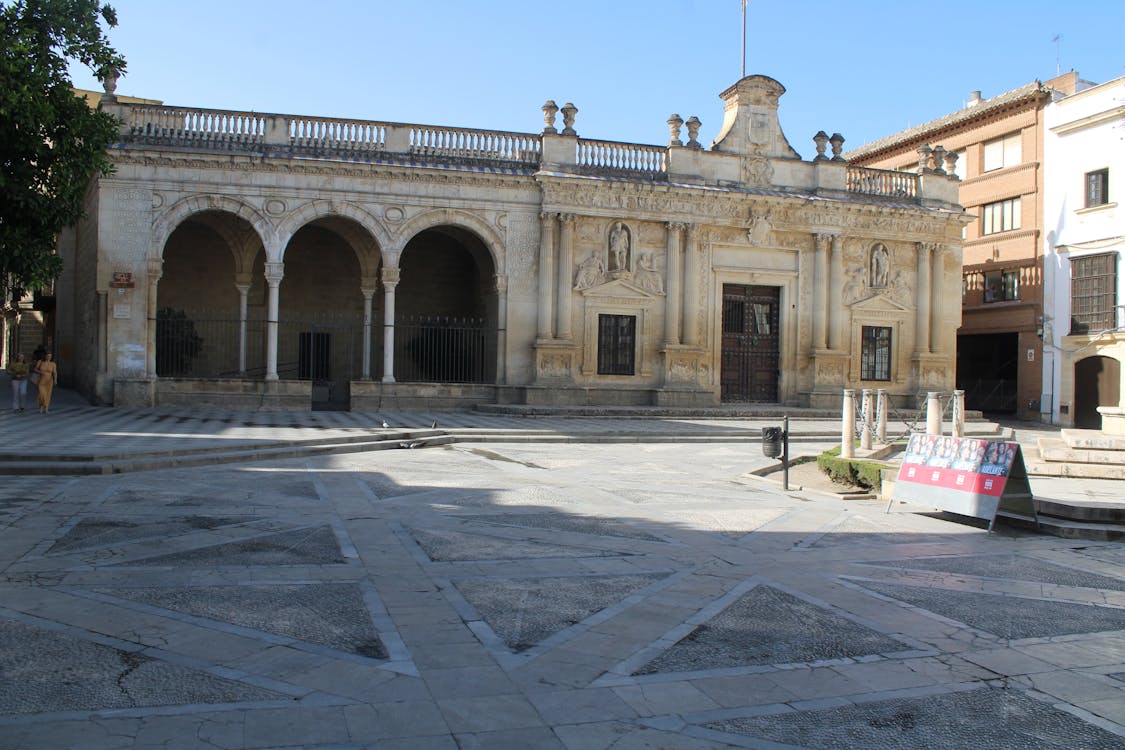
[771,441]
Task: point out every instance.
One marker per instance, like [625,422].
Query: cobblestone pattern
[1015,567]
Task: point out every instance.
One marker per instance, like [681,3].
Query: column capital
[567,219]
[500,282]
[390,275]
[925,248]
[155,268]
[676,226]
[275,272]
[547,216]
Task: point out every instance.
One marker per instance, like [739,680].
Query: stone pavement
[527,595]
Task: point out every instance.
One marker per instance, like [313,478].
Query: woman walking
[47,372]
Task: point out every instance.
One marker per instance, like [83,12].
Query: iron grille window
[313,356]
[1097,188]
[617,338]
[875,353]
[1093,293]
[1001,216]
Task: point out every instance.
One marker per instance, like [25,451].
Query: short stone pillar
[958,410]
[847,425]
[882,406]
[867,414]
[933,413]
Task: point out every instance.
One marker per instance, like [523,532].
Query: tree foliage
[51,142]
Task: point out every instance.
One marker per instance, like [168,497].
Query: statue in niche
[591,272]
[880,266]
[759,231]
[648,278]
[619,248]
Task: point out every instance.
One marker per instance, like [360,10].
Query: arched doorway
[321,308]
[1097,382]
[199,330]
[446,309]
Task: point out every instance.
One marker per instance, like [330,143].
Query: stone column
[155,268]
[242,284]
[936,279]
[563,285]
[882,406]
[690,316]
[274,274]
[390,281]
[835,312]
[958,414]
[867,414]
[367,289]
[819,300]
[847,425]
[501,285]
[673,301]
[922,314]
[933,413]
[546,271]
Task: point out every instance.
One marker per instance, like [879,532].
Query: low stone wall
[235,394]
[371,396]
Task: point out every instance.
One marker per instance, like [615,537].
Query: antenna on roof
[1058,43]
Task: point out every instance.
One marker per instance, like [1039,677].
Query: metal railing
[439,349]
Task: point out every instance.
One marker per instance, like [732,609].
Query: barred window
[1097,188]
[617,340]
[1001,216]
[875,353]
[1093,293]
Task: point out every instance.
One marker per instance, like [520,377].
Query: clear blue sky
[864,69]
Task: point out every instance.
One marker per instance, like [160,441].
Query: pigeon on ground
[433,425]
[385,423]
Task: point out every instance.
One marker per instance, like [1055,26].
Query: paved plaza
[526,595]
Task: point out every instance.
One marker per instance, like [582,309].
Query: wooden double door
[751,343]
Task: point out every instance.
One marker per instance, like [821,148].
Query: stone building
[998,145]
[274,261]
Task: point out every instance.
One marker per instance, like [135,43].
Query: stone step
[1097,532]
[1056,449]
[1093,440]
[1085,511]
[1038,467]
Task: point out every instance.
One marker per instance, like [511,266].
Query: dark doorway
[1097,382]
[987,367]
[750,343]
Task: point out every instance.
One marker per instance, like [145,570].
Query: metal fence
[439,349]
[202,344]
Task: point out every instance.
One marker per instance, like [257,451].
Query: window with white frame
[1003,152]
[1001,216]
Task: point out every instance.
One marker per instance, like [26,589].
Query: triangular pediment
[880,301]
[618,288]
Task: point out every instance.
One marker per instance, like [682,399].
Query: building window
[1002,152]
[1093,293]
[617,339]
[875,357]
[1097,188]
[1001,286]
[1001,216]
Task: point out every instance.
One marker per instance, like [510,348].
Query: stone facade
[270,260]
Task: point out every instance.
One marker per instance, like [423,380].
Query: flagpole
[744,38]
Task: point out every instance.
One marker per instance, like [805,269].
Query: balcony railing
[882,182]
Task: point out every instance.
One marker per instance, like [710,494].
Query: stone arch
[325,209]
[181,210]
[451,217]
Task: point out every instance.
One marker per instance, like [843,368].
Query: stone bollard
[882,406]
[847,425]
[867,414]
[958,414]
[933,413]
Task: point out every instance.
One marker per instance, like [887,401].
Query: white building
[1084,237]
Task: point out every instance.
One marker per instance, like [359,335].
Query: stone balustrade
[281,135]
[632,157]
[882,182]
